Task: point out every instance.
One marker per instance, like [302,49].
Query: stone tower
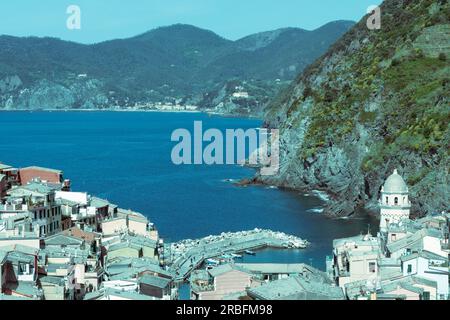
[394,203]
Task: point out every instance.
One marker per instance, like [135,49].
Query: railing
[445,246]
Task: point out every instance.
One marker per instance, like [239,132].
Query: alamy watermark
[255,147]
[374,20]
[74,20]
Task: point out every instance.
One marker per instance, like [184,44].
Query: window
[426,295]
[393,237]
[409,268]
[372,267]
[396,201]
[387,200]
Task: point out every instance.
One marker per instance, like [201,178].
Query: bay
[124,157]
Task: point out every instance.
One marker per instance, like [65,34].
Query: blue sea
[125,157]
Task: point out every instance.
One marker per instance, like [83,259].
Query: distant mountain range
[165,64]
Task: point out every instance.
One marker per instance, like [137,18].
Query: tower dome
[395,184]
[394,203]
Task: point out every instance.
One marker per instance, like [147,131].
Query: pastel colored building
[354,259]
[220,281]
[52,176]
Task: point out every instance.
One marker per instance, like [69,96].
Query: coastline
[98,110]
[209,113]
[323,195]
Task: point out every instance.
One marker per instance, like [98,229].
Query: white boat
[212,262]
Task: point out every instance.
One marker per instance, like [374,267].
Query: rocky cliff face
[377,100]
[46,94]
[240,98]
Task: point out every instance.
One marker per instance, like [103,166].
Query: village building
[54,288]
[18,271]
[39,199]
[408,288]
[355,259]
[158,287]
[297,287]
[114,294]
[76,211]
[134,267]
[216,283]
[127,221]
[274,271]
[408,259]
[121,285]
[28,174]
[132,246]
[61,245]
[427,265]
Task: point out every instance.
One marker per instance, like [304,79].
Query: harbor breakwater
[187,255]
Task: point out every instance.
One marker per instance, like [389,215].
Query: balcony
[29,277]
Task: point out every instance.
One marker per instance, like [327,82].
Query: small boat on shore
[212,262]
[250,252]
[236,256]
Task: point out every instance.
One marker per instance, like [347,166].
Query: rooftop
[42,169]
[423,254]
[109,294]
[359,240]
[297,288]
[413,241]
[277,268]
[30,188]
[63,240]
[4,166]
[395,184]
[25,288]
[76,232]
[52,280]
[224,268]
[408,283]
[20,248]
[98,202]
[155,281]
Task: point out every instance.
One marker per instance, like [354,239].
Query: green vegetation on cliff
[378,99]
[168,63]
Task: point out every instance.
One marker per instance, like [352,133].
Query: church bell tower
[394,203]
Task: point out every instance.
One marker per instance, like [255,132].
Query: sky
[111,19]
